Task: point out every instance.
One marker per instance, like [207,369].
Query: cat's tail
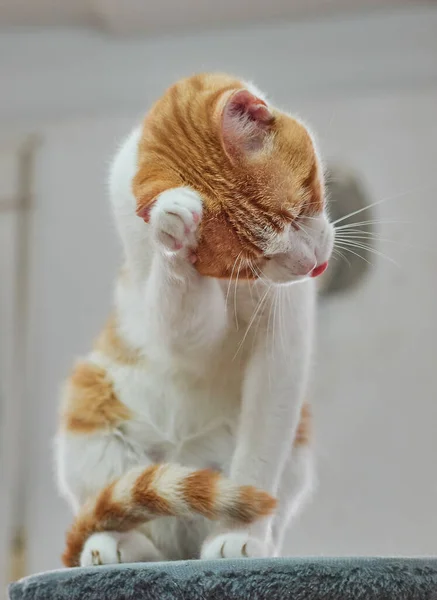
[143,494]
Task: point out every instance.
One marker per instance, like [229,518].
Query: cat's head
[256,169]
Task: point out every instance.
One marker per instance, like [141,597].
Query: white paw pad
[233,545]
[175,218]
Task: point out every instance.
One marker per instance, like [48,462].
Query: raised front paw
[175,218]
[234,545]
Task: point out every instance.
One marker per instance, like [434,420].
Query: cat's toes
[100,549]
[134,546]
[175,218]
[111,547]
[234,545]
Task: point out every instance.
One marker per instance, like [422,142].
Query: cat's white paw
[100,549]
[175,218]
[111,547]
[235,544]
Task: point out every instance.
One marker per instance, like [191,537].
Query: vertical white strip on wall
[9,202]
[15,175]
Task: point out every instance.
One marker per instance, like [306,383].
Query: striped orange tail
[164,490]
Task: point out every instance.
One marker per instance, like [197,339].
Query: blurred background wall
[364,75]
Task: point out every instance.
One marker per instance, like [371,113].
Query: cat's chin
[278,275]
[283,283]
[283,280]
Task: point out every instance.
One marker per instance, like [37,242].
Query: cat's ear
[246,123]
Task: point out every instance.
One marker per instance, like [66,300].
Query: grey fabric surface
[275,579]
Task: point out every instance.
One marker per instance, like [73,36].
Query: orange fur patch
[112,345]
[304,430]
[90,402]
[182,145]
[200,491]
[108,511]
[251,505]
[144,493]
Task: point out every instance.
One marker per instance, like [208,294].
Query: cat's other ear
[246,124]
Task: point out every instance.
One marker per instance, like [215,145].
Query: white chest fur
[181,416]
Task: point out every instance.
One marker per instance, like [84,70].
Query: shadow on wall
[346,195]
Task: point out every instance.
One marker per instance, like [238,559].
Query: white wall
[369,86]
[54,74]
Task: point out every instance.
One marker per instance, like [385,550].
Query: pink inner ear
[246,120]
[244,103]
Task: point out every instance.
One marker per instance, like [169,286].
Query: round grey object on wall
[346,194]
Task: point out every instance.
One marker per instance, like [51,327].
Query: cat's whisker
[362,236]
[250,265]
[356,254]
[359,232]
[370,249]
[250,284]
[375,237]
[305,228]
[275,303]
[312,218]
[395,197]
[352,232]
[235,292]
[256,272]
[271,332]
[230,279]
[255,334]
[362,241]
[277,324]
[371,222]
[259,275]
[345,244]
[252,319]
[281,317]
[339,254]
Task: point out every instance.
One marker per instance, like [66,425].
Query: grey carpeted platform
[276,579]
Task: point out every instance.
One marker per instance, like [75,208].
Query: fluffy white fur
[215,392]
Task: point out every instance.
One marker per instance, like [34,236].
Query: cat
[188,418]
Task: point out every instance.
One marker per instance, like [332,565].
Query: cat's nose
[319,269]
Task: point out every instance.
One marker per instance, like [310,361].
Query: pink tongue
[319,269]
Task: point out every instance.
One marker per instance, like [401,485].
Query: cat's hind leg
[112,547]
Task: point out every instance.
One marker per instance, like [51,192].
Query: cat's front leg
[186,309]
[273,393]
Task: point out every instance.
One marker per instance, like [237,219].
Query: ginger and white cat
[192,400]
